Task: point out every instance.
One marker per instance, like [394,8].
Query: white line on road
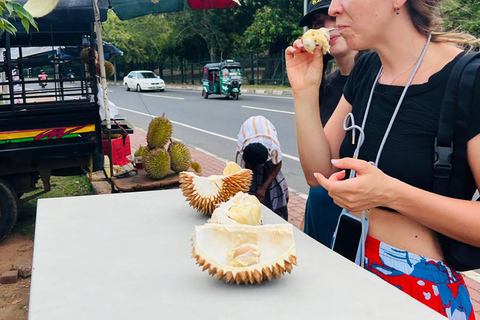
[198,129]
[166,97]
[266,96]
[271,110]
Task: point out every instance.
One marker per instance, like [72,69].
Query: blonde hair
[425,15]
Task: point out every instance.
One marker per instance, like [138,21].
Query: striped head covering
[258,129]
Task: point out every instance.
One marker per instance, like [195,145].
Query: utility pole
[305,5]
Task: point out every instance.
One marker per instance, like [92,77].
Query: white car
[143,80]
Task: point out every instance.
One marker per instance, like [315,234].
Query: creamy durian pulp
[262,252]
[241,208]
[317,37]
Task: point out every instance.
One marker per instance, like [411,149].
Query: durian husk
[275,241]
[220,188]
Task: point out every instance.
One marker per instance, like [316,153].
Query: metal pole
[103,81]
[115,71]
[305,5]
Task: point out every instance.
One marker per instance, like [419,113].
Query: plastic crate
[120,152]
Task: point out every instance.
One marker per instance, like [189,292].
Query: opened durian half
[244,254]
[204,193]
[241,208]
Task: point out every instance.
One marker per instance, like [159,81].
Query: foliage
[270,25]
[141,39]
[463,15]
[13,11]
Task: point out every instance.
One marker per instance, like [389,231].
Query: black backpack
[450,164]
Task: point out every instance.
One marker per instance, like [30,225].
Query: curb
[248,91]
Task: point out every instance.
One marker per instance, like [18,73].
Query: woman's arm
[458,219]
[314,147]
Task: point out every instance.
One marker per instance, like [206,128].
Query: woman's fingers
[360,166]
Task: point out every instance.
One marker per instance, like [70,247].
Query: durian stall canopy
[127,9]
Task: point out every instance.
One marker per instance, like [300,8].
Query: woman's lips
[333,39]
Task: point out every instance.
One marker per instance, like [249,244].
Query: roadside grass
[61,187]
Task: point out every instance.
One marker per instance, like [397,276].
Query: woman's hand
[303,68]
[369,189]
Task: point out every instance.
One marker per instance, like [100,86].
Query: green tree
[141,39]
[463,15]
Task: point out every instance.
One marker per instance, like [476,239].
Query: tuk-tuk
[224,78]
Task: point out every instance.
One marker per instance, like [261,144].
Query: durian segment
[156,162]
[241,208]
[231,168]
[244,255]
[180,156]
[212,243]
[317,37]
[159,132]
[204,193]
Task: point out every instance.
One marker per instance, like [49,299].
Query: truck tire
[8,209]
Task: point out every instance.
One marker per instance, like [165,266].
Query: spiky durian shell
[159,132]
[84,55]
[220,188]
[224,236]
[156,163]
[180,156]
[139,152]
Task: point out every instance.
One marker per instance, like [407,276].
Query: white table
[128,256]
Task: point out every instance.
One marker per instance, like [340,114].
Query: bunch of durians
[161,153]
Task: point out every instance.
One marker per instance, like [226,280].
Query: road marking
[166,97]
[271,110]
[266,96]
[198,129]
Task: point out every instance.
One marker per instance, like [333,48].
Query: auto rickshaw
[224,78]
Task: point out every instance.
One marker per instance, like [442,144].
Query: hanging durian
[180,156]
[244,254]
[159,132]
[241,208]
[156,163]
[109,69]
[204,193]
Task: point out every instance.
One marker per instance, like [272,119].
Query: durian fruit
[84,55]
[317,37]
[204,193]
[241,208]
[231,168]
[139,152]
[244,254]
[109,69]
[197,167]
[159,132]
[180,156]
[156,163]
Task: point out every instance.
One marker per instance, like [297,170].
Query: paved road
[212,124]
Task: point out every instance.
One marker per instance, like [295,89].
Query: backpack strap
[453,128]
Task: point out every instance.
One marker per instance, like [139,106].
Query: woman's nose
[335,8]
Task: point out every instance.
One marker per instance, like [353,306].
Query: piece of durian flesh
[244,254]
[317,37]
[204,193]
[241,208]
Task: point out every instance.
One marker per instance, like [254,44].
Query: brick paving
[211,164]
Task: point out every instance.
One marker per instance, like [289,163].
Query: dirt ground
[14,298]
